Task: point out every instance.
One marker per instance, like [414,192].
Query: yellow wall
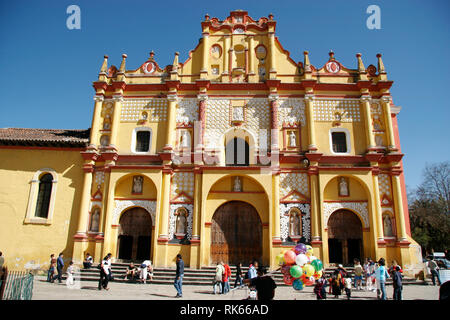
[30,245]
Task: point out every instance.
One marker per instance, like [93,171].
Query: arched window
[43,199]
[181,221]
[237,153]
[95,220]
[295,223]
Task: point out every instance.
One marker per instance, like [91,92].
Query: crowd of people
[372,274]
[371,277]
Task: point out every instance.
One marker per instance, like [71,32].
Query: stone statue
[343,187]
[185,141]
[95,221]
[181,223]
[238,114]
[387,226]
[237,184]
[292,139]
[294,225]
[137,184]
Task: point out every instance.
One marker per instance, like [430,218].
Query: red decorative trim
[366,229]
[403,244]
[332,201]
[100,85]
[80,237]
[162,240]
[297,193]
[373,157]
[313,156]
[245,192]
[316,243]
[43,148]
[195,241]
[144,199]
[265,225]
[118,85]
[208,224]
[276,241]
[381,243]
[174,200]
[345,169]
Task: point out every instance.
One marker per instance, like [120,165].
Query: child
[348,287]
[319,289]
[397,283]
[335,288]
[70,272]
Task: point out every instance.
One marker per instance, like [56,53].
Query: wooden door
[344,227]
[236,234]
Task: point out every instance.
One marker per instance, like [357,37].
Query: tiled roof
[44,137]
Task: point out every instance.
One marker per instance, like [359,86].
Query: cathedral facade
[232,155]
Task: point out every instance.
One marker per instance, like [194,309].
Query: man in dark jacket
[59,267]
[397,283]
[265,285]
[178,283]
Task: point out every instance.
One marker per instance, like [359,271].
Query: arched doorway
[344,237]
[236,234]
[135,235]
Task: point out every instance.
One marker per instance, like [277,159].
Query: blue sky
[47,70]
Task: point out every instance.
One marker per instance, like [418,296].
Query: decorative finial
[307,64]
[361,67]
[270,16]
[122,65]
[331,54]
[152,54]
[104,67]
[380,64]
[206,17]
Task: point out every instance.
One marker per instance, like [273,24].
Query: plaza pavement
[87,290]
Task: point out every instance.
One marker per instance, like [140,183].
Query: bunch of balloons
[299,267]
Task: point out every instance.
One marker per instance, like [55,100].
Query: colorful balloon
[309,250]
[288,280]
[317,275]
[300,248]
[312,258]
[317,264]
[289,257]
[308,270]
[297,284]
[280,259]
[301,259]
[296,271]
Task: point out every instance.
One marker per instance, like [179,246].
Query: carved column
[116,119]
[309,106]
[274,121]
[365,101]
[171,122]
[386,105]
[399,213]
[95,126]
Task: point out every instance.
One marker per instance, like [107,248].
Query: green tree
[429,207]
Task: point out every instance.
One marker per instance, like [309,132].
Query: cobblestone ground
[87,290]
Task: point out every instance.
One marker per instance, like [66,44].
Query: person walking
[252,273]
[358,274]
[348,287]
[59,267]
[397,283]
[51,269]
[104,273]
[381,276]
[178,283]
[264,284]
[220,270]
[370,276]
[238,275]
[70,271]
[226,278]
[434,270]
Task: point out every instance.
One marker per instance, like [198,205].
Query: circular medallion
[149,67]
[333,67]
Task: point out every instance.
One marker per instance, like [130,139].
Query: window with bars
[339,140]
[43,199]
[142,141]
[237,153]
